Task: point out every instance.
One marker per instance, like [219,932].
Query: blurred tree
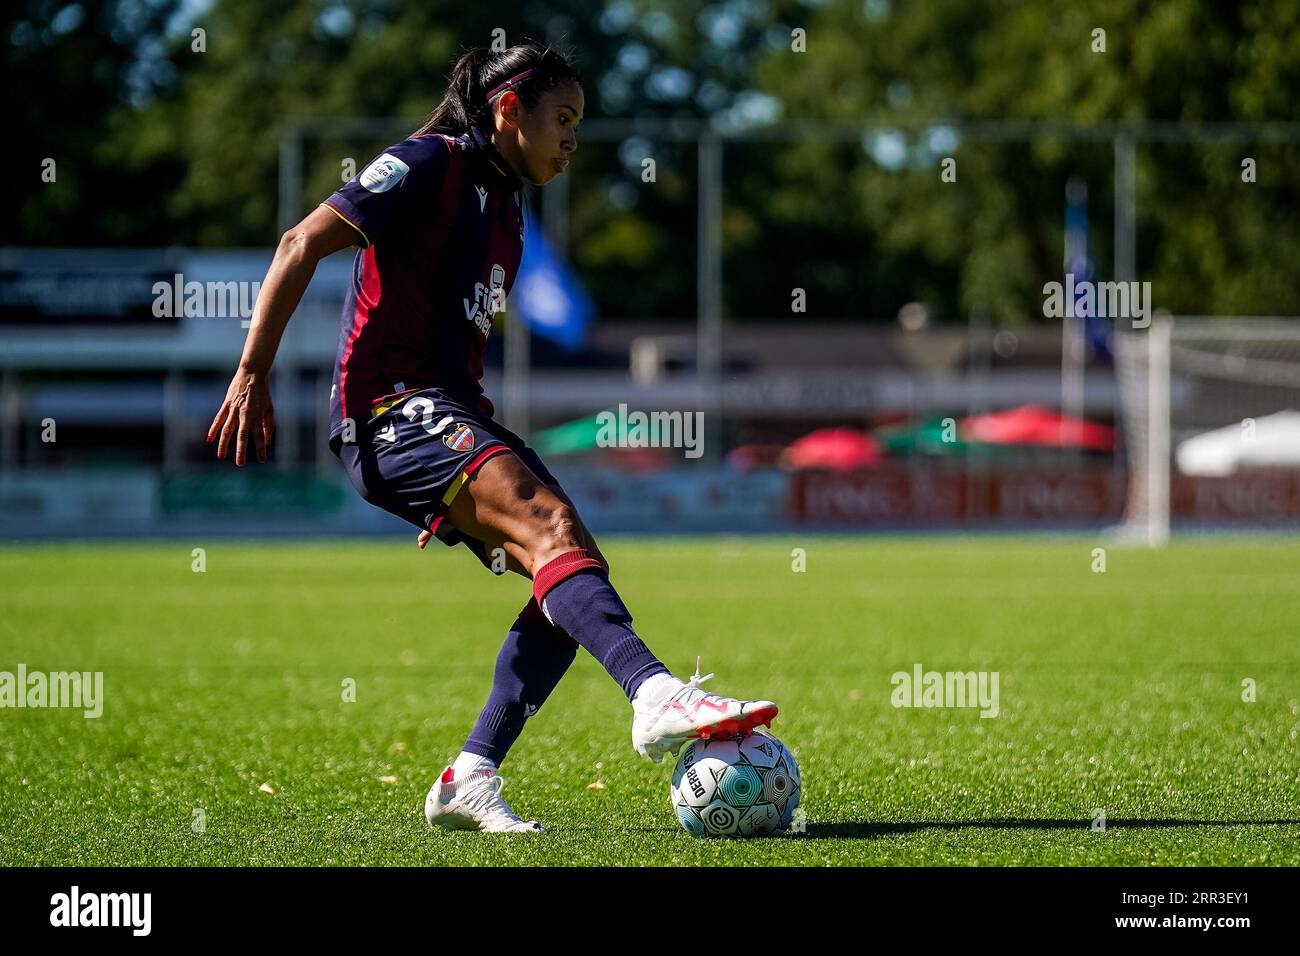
[187,127]
[1208,241]
[160,142]
[74,73]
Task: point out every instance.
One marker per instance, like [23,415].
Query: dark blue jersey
[441,230]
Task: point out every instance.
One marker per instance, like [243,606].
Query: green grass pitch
[1119,691]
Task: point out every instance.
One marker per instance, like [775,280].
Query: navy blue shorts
[417,451]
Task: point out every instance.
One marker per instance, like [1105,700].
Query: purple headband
[510,82]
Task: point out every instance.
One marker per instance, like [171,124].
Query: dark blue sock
[531,662]
[577,596]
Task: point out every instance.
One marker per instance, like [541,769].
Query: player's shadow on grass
[861,830]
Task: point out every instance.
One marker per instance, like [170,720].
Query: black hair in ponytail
[480,71]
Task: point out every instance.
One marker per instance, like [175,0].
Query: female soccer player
[439,224]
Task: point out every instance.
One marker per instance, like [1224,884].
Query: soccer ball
[737,787]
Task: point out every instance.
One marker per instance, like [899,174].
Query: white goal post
[1208,376]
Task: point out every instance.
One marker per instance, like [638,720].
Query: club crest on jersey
[383,174]
[488,300]
[460,438]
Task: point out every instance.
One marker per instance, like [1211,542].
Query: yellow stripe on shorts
[454,489]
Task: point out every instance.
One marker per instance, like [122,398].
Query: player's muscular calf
[505,505]
[588,542]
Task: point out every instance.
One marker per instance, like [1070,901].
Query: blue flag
[1096,330]
[548,295]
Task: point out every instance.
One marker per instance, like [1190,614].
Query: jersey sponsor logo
[388,433]
[383,174]
[460,438]
[482,197]
[488,300]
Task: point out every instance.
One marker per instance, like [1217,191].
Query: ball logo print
[719,818]
[742,787]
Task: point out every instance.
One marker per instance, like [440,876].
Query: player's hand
[423,538]
[246,413]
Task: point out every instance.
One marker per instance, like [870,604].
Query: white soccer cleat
[473,803]
[682,713]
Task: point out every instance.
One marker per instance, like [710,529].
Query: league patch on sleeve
[383,174]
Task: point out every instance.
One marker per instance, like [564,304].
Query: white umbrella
[1269,441]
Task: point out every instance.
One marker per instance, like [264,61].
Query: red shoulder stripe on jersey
[369,296]
[448,141]
[367,299]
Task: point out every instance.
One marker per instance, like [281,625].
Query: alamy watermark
[212,300]
[82,690]
[1106,300]
[922,688]
[624,429]
[130,910]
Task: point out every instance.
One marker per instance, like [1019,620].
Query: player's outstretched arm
[247,408]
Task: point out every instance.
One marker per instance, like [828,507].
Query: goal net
[1204,398]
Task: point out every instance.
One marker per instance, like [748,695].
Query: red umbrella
[839,449]
[1035,425]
